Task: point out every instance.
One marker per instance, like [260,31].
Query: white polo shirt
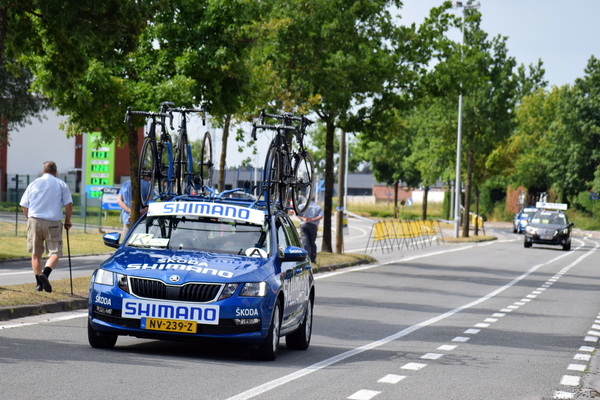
[45,197]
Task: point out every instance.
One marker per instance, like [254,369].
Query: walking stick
[69,257]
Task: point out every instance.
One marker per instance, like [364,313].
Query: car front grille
[192,292]
[546,232]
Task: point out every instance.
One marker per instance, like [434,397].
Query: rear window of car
[549,218]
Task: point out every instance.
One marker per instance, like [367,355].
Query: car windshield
[217,235]
[549,218]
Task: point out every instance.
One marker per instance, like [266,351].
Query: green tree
[333,55]
[484,73]
[573,154]
[186,52]
[17,104]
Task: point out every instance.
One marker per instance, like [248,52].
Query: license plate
[168,325]
[544,237]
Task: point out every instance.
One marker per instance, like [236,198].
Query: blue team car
[205,270]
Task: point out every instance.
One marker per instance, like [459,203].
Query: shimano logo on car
[202,314]
[181,265]
[207,210]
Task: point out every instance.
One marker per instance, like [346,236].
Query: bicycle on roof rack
[287,171]
[156,157]
[190,177]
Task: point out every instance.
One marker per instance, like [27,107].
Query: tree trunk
[136,199]
[467,206]
[476,188]
[449,204]
[396,183]
[222,161]
[424,207]
[329,181]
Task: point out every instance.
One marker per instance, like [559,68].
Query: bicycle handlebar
[286,118]
[150,114]
[256,126]
[184,110]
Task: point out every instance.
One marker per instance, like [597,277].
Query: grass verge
[15,246]
[25,294]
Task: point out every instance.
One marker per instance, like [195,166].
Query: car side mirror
[572,224]
[112,239]
[293,253]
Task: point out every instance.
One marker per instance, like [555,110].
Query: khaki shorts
[44,236]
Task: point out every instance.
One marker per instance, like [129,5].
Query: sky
[563,34]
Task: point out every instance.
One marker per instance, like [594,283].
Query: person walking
[309,226]
[42,204]
[124,201]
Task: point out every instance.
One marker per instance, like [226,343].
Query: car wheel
[101,340]
[567,247]
[514,230]
[300,339]
[527,244]
[269,347]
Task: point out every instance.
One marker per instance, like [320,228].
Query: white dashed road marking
[364,395]
[570,380]
[391,378]
[414,366]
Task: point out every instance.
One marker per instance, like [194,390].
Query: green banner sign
[100,165]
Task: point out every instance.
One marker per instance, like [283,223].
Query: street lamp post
[457,186]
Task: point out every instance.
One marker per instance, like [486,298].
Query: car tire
[300,338]
[514,230]
[527,244]
[101,340]
[268,349]
[567,247]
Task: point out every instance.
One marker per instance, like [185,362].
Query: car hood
[189,266]
[549,226]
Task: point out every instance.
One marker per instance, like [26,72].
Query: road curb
[78,303]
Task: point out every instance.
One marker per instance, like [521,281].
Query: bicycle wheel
[271,179]
[146,168]
[206,162]
[285,180]
[181,165]
[302,187]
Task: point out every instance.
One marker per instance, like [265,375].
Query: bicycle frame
[155,171]
[287,162]
[185,180]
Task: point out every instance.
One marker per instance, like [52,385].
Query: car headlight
[254,289]
[104,277]
[530,229]
[565,231]
[122,282]
[228,291]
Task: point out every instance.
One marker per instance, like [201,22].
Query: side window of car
[291,232]
[282,240]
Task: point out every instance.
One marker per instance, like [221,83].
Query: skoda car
[206,270]
[549,227]
[522,219]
